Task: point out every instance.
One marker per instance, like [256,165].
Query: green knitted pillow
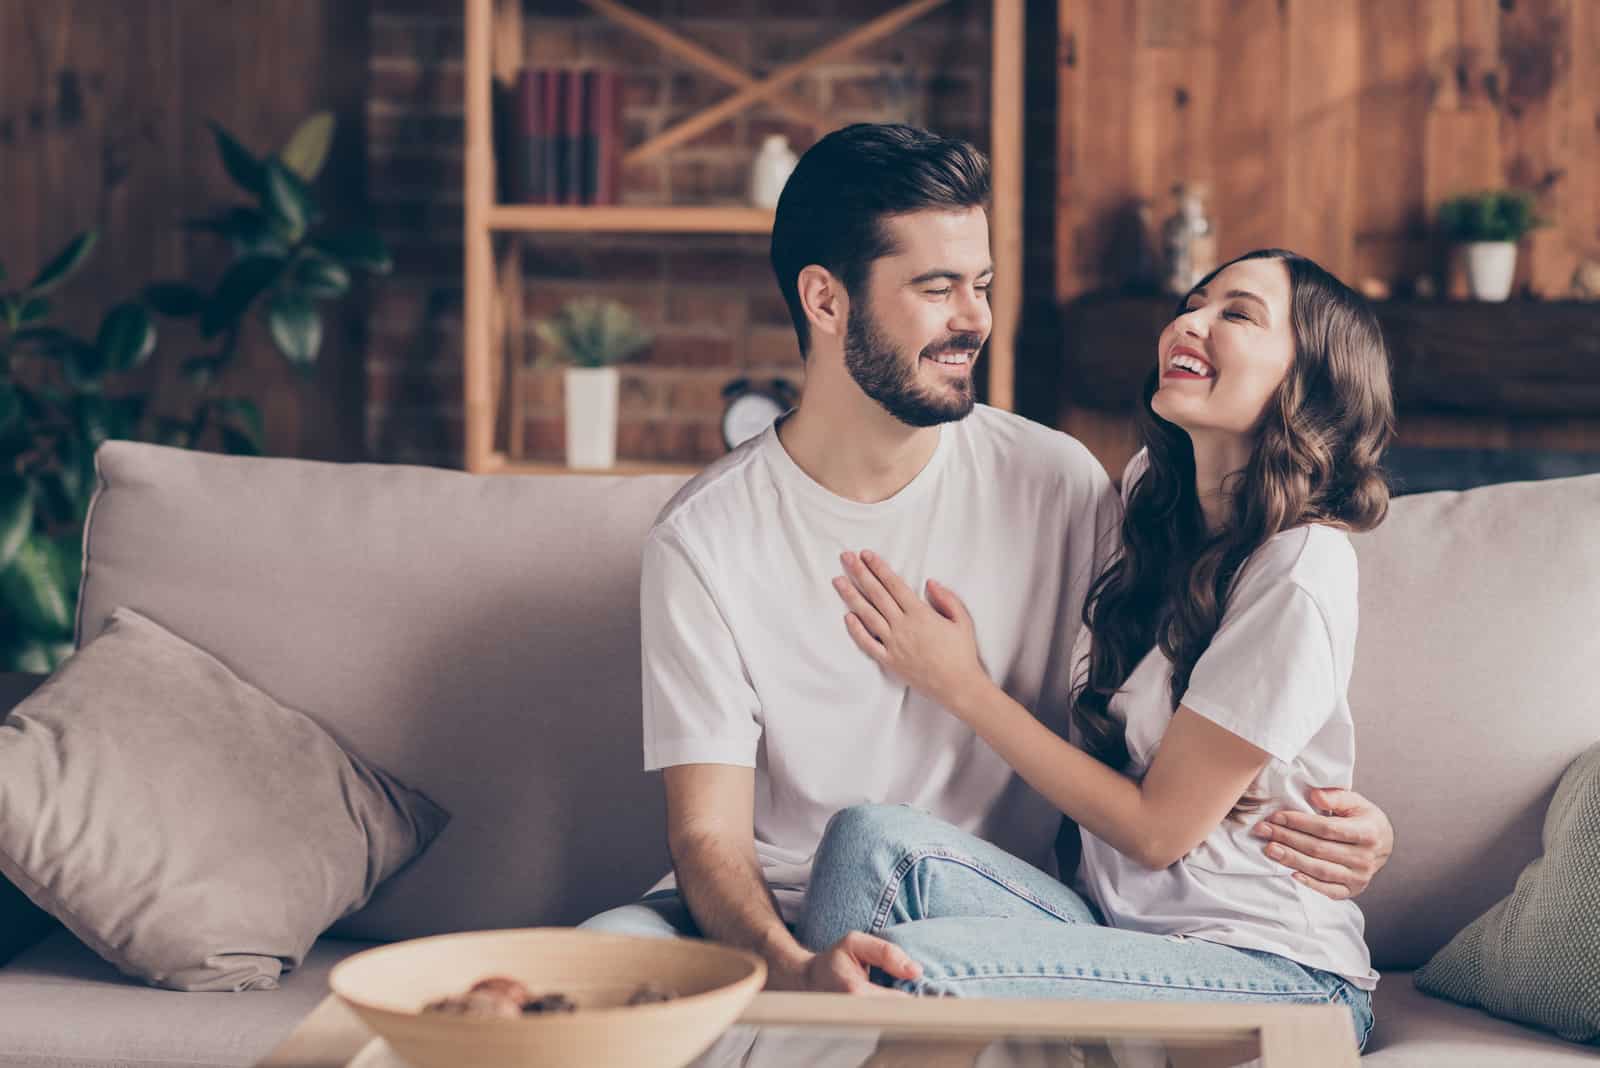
[1535,956]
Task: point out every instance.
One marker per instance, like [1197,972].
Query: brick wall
[710,300]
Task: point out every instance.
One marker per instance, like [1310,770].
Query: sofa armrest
[14,686]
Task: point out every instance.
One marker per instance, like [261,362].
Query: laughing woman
[1210,687]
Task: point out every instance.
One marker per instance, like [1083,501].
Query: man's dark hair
[832,208]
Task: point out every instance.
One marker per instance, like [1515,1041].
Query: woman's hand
[931,645]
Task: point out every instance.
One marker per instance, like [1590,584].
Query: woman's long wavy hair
[1316,459]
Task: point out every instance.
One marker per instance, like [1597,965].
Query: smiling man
[763,715]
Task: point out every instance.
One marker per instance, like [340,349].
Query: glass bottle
[1189,239]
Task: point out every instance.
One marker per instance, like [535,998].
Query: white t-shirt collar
[790,475]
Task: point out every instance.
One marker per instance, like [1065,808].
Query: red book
[527,181]
[603,135]
[571,137]
[550,124]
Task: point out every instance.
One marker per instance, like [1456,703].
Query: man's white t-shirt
[1277,674]
[747,661]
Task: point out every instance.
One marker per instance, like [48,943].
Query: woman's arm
[1199,773]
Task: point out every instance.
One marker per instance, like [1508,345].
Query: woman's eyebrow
[945,273]
[1243,294]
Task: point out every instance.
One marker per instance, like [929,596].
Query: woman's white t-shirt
[1276,674]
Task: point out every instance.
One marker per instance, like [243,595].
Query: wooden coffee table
[860,1032]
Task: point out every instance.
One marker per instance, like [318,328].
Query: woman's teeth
[1189,363]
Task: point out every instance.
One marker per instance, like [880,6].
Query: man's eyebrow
[943,273]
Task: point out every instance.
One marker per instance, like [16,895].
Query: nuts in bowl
[548,996]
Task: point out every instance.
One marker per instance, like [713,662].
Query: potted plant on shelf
[1487,227]
[591,336]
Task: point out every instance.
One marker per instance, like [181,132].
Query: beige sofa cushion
[476,637]
[193,831]
[1473,690]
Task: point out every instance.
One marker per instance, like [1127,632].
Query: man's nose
[971,315]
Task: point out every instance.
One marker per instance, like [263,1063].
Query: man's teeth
[952,357]
[1189,363]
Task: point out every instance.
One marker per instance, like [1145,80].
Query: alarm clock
[751,408]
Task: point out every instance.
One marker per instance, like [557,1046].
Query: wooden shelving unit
[494,336]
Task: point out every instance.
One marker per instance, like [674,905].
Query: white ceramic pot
[592,416]
[1491,265]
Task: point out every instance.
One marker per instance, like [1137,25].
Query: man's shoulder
[1029,450]
[720,494]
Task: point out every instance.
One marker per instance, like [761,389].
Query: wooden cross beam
[750,90]
[697,56]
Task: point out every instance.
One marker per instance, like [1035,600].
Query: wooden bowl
[388,986]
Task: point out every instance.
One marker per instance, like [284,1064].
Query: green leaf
[10,408]
[201,369]
[92,414]
[246,416]
[37,588]
[34,310]
[295,326]
[67,260]
[307,149]
[127,337]
[322,279]
[16,515]
[46,340]
[242,283]
[177,300]
[36,657]
[240,163]
[236,442]
[362,249]
[124,415]
[288,201]
[85,366]
[176,432]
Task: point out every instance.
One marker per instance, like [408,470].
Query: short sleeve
[699,705]
[1268,675]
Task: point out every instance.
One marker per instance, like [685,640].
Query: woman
[1211,678]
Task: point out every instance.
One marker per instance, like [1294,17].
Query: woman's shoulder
[1317,558]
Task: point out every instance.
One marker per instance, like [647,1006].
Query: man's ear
[826,304]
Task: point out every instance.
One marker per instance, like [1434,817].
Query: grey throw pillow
[1535,956]
[182,823]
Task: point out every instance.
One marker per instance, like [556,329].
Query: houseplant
[62,395]
[591,336]
[1487,227]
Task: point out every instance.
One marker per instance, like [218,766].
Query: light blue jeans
[984,924]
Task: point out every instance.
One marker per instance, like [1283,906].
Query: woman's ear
[826,304]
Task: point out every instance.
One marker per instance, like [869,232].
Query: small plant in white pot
[591,336]
[1487,227]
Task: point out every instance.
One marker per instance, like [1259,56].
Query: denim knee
[866,829]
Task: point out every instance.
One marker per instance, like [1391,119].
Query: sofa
[477,636]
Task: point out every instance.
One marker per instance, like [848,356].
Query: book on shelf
[566,137]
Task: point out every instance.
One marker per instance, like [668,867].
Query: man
[764,717]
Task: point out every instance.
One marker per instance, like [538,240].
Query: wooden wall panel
[103,109]
[1249,200]
[1320,165]
[1335,129]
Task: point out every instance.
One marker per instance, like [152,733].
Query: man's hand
[845,967]
[1336,854]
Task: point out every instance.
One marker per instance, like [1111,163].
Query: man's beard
[878,369]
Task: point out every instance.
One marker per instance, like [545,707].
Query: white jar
[771,169]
